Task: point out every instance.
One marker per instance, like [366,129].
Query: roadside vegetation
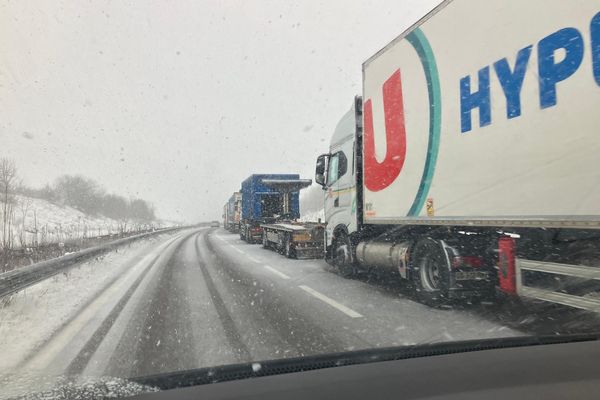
[70,213]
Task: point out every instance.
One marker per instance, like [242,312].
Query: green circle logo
[420,43]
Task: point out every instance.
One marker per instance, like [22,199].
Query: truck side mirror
[320,170]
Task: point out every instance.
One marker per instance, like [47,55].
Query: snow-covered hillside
[37,221]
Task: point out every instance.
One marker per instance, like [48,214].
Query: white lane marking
[252,259]
[238,250]
[273,270]
[349,312]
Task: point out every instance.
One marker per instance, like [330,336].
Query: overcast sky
[178,101]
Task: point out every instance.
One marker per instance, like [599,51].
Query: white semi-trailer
[472,160]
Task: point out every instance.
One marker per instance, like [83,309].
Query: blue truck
[270,212]
[262,203]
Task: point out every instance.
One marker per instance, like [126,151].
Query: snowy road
[204,298]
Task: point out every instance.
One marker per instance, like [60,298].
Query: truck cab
[337,173]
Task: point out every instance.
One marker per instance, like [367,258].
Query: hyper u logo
[379,175]
[559,56]
[568,41]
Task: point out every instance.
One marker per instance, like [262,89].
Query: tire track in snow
[165,340]
[233,336]
[80,362]
[71,346]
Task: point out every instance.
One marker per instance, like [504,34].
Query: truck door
[338,166]
[345,182]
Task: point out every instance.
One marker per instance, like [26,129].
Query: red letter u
[378,175]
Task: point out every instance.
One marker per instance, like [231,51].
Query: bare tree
[24,206]
[35,229]
[8,181]
[141,211]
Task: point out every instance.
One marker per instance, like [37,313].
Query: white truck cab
[337,172]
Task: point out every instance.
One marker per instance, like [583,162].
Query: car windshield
[162,208]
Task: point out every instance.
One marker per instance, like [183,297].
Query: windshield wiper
[203,376]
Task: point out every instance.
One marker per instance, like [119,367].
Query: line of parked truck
[466,184]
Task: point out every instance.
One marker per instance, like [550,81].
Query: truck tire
[343,256]
[430,272]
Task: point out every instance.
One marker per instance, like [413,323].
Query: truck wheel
[430,272]
[288,248]
[343,257]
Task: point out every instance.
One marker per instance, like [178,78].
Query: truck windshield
[160,211]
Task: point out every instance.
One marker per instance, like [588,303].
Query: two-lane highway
[205,298]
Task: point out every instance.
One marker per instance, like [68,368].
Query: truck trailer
[224,215]
[270,212]
[469,165]
[290,237]
[264,204]
[232,211]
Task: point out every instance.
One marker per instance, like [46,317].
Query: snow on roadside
[29,318]
[56,224]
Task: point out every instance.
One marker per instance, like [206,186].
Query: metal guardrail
[18,279]
[571,300]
